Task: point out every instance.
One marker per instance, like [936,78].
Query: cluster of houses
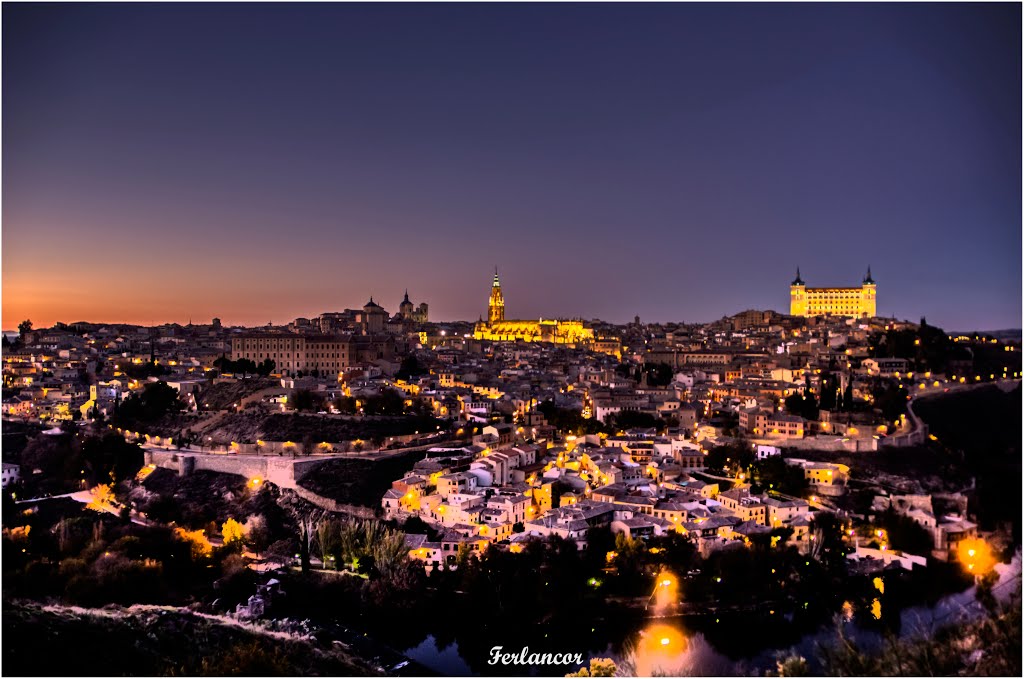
[524,477]
[710,381]
[79,371]
[637,483]
[943,516]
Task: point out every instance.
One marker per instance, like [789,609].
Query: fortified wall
[281,471]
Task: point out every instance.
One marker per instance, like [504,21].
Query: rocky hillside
[148,640]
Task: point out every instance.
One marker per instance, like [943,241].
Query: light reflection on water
[688,653]
[446,661]
[664,649]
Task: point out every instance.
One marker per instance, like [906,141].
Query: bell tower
[797,296]
[496,304]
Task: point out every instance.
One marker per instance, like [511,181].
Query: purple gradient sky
[262,162]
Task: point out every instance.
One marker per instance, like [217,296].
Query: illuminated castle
[497,329]
[851,302]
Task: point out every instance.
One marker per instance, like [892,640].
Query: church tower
[496,305]
[405,309]
[797,296]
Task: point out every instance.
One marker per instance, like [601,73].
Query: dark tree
[410,367]
[891,400]
[245,366]
[305,400]
[829,391]
[729,457]
[153,402]
[634,419]
[414,525]
[810,408]
[794,404]
[110,458]
[389,402]
[224,364]
[658,374]
[345,404]
[266,367]
[568,419]
[906,534]
[145,370]
[773,473]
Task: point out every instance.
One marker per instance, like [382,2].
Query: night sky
[262,162]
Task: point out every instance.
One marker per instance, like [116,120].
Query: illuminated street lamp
[666,590]
[976,557]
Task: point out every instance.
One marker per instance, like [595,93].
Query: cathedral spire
[867,279]
[496,304]
[797,280]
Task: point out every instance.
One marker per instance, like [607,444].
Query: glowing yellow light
[976,556]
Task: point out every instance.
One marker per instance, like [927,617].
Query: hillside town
[454,443]
[519,339]
[544,437]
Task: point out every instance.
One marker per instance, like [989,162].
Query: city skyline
[405,294]
[488,339]
[676,162]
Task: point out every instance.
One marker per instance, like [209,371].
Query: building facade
[408,312]
[856,302]
[292,352]
[372,318]
[496,328]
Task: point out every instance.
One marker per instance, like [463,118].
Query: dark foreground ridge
[150,640]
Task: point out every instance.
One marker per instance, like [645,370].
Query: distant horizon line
[1017,330]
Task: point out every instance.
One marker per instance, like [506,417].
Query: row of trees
[68,461]
[245,366]
[97,559]
[927,347]
[830,396]
[368,547]
[363,546]
[833,397]
[143,371]
[572,420]
[769,474]
[388,402]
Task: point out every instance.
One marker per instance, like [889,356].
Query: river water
[738,647]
